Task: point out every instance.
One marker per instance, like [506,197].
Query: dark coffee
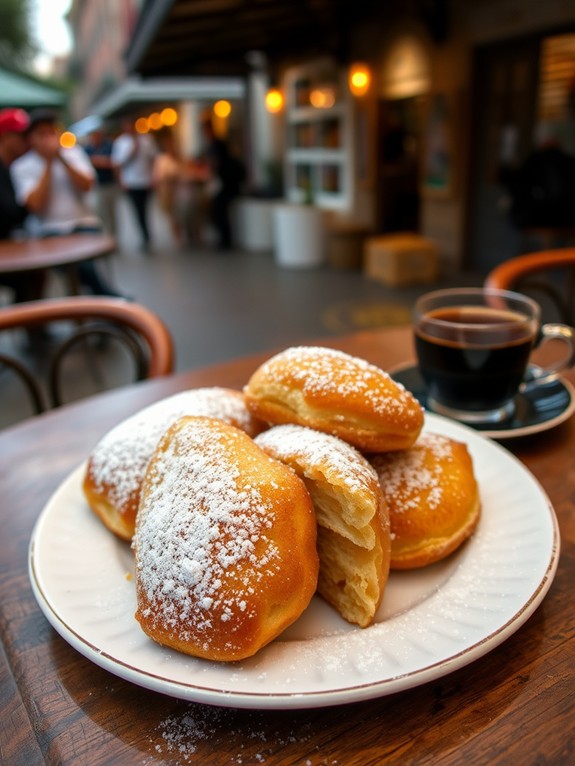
[473,358]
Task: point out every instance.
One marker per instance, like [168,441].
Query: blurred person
[542,188]
[26,285]
[227,175]
[169,183]
[195,201]
[133,155]
[99,150]
[52,182]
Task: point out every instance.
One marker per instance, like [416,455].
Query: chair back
[136,327]
[534,271]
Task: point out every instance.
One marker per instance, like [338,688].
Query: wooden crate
[401,259]
[345,245]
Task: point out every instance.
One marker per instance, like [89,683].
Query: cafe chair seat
[549,272]
[92,325]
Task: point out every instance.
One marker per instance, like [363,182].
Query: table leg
[73,279]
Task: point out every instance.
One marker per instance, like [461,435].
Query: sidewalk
[220,306]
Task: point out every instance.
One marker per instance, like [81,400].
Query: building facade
[101,30]
[457,87]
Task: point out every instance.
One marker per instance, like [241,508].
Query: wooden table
[514,705]
[49,252]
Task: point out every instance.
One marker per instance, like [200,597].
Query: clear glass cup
[473,348]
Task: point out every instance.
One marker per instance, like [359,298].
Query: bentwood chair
[548,272]
[95,328]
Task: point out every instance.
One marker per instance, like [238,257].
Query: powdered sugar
[338,459]
[248,737]
[120,459]
[198,531]
[323,372]
[409,474]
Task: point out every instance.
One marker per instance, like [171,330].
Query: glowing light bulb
[222,109]
[141,125]
[155,121]
[67,139]
[359,79]
[274,100]
[169,116]
[322,98]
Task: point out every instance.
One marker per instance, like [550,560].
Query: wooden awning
[214,37]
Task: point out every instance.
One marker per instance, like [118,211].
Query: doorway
[504,101]
[399,124]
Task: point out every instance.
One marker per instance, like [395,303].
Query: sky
[50,30]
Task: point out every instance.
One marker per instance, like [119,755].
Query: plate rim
[343,694]
[285,700]
[510,433]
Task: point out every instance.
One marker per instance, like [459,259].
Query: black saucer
[538,410]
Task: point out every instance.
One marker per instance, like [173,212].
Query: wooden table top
[30,254]
[514,705]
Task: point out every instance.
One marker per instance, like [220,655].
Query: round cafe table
[515,704]
[49,252]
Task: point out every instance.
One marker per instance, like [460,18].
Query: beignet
[117,465]
[353,523]
[225,543]
[338,394]
[433,499]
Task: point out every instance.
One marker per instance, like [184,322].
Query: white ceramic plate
[432,621]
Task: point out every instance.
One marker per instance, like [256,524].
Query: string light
[169,116]
[142,125]
[359,79]
[67,140]
[322,98]
[274,100]
[155,121]
[222,109]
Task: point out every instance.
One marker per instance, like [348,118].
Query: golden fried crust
[225,543]
[117,465]
[433,499]
[353,531]
[121,524]
[338,394]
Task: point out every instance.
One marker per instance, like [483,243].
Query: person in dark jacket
[542,189]
[227,175]
[14,123]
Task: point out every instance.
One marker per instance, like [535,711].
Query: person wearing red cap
[13,126]
[52,181]
[13,144]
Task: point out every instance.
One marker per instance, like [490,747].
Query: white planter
[254,224]
[299,234]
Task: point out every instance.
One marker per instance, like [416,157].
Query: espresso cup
[473,347]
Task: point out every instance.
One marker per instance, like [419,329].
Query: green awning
[24,92]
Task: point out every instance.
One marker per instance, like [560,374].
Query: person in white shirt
[133,155]
[51,182]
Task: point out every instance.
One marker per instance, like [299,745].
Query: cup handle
[547,374]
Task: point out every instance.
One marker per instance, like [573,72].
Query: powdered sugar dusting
[197,533]
[408,474]
[248,737]
[313,448]
[121,457]
[322,372]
